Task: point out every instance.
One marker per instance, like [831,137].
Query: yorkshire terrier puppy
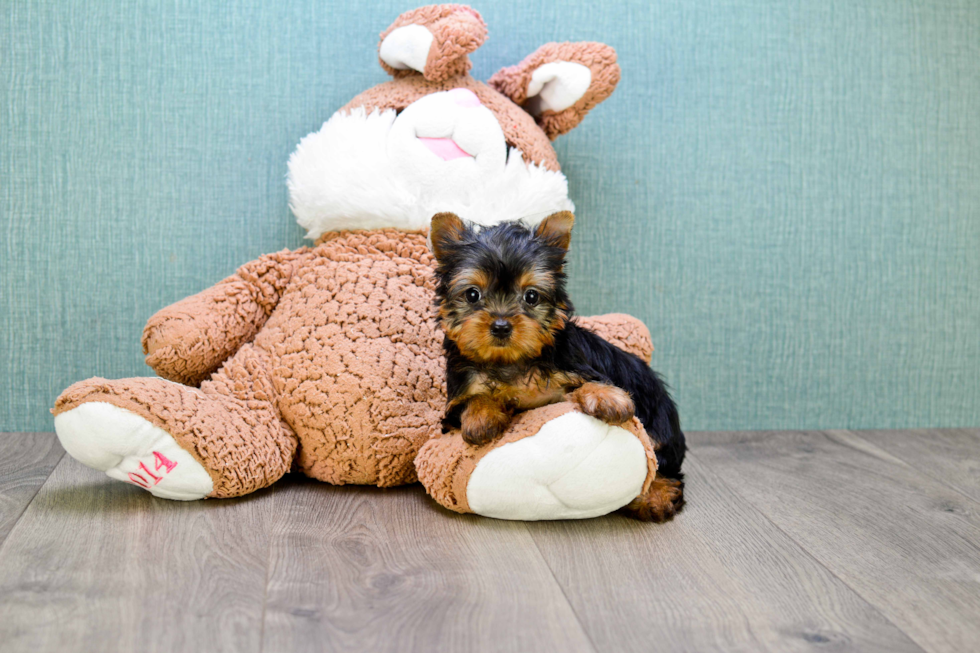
[511,345]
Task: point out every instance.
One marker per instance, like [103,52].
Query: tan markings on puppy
[539,389]
[475,341]
[464,279]
[606,402]
[664,499]
[536,278]
[483,419]
[471,277]
[531,391]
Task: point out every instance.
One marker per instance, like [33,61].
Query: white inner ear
[407,47]
[556,86]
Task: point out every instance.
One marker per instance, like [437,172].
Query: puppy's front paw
[606,402]
[483,420]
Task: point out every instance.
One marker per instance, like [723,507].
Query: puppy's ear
[560,82]
[556,229]
[447,229]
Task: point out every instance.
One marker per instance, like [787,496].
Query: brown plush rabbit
[328,359]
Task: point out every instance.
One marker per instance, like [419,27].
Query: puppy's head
[501,289]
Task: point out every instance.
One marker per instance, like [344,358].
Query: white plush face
[447,139]
[444,152]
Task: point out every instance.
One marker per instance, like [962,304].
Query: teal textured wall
[787,192]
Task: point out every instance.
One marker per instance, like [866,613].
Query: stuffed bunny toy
[327,360]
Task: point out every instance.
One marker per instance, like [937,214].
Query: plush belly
[358,368]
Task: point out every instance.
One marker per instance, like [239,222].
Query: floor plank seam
[568,602]
[925,473]
[27,505]
[968,542]
[268,570]
[749,504]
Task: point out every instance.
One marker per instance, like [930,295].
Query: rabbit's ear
[432,40]
[560,82]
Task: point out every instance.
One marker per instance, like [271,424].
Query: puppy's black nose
[501,328]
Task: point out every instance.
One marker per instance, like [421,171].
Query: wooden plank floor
[791,541]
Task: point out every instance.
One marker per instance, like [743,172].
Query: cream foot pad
[575,467]
[128,448]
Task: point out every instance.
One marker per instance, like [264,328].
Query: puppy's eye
[531,297]
[472,295]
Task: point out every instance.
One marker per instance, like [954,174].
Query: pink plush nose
[464,97]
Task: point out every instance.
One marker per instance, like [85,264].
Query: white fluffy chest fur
[444,152]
